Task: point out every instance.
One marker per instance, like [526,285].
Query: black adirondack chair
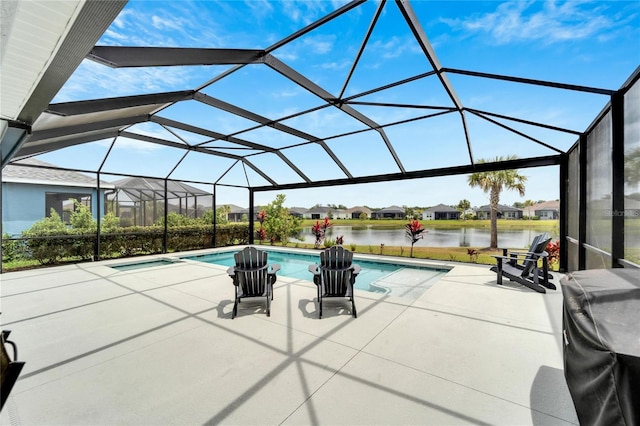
[518,259]
[11,367]
[253,277]
[523,268]
[335,276]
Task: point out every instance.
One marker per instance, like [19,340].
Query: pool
[378,277]
[145,264]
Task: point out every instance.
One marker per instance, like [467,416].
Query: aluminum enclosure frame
[44,127]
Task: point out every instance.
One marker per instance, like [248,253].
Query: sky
[587,43]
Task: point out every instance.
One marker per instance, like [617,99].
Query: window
[64,203]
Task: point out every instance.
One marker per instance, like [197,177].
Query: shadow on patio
[158,346]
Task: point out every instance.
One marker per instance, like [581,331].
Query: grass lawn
[484,256]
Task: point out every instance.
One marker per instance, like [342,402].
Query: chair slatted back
[251,272]
[532,259]
[336,271]
[536,240]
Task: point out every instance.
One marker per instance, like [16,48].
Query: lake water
[434,237]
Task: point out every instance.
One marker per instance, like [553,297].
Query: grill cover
[601,322]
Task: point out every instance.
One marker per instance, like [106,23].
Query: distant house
[241,214]
[237,213]
[356,212]
[504,212]
[393,212]
[320,212]
[544,210]
[317,212]
[441,212]
[29,194]
[297,211]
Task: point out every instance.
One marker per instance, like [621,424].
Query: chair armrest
[314,269]
[274,268]
[501,257]
[231,271]
[521,253]
[356,269]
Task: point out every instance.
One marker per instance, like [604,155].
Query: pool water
[374,276]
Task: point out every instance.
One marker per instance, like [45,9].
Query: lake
[434,237]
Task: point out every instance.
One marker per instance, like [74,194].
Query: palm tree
[494,183]
[463,206]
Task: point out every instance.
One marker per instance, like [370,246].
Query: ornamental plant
[319,230]
[414,231]
[473,254]
[261,233]
[553,249]
[279,224]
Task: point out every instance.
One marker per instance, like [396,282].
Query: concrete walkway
[157,346]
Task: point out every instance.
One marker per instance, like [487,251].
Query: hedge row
[130,241]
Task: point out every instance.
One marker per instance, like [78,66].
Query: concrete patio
[157,346]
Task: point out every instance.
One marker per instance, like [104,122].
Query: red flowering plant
[319,230]
[414,232]
[261,233]
[553,250]
[473,254]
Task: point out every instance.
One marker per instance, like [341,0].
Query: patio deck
[158,346]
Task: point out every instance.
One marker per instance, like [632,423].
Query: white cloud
[394,47]
[160,23]
[336,65]
[305,11]
[131,145]
[526,20]
[259,7]
[320,45]
[115,36]
[93,81]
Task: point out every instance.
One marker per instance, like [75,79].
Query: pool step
[405,282]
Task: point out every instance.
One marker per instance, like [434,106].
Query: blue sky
[594,44]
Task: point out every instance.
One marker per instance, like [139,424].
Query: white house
[441,212]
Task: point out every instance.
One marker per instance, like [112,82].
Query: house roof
[547,205]
[390,209]
[442,208]
[359,209]
[42,173]
[298,210]
[320,209]
[237,209]
[502,208]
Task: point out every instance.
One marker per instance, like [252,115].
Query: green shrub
[109,223]
[11,249]
[81,219]
[279,224]
[41,244]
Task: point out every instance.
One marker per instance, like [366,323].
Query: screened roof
[331,93]
[138,189]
